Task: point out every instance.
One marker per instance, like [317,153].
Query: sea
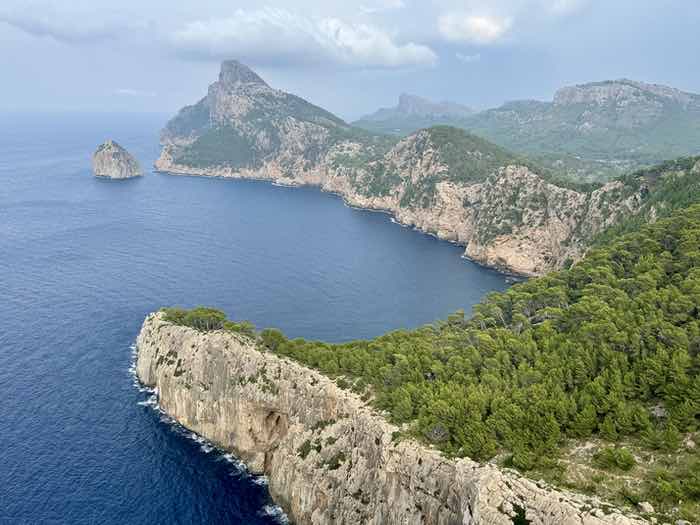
[84,260]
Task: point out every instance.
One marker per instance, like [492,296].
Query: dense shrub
[614,458]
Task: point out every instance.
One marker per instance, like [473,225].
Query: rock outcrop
[329,458]
[112,161]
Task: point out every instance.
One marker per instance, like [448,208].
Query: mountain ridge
[508,212]
[591,131]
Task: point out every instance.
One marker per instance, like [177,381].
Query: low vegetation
[609,349]
[207,319]
[219,146]
[614,458]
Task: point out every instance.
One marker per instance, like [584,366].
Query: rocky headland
[329,457]
[112,161]
[440,180]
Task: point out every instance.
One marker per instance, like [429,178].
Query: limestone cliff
[329,458]
[113,161]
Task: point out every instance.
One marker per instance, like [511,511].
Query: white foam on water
[152,401]
[261,480]
[239,466]
[276,512]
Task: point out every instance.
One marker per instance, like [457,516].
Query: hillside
[593,131]
[509,212]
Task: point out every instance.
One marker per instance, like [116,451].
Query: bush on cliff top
[207,319]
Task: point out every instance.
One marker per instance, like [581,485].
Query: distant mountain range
[413,113]
[591,131]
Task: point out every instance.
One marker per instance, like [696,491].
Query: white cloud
[564,7]
[473,29]
[128,92]
[468,59]
[278,37]
[41,20]
[382,5]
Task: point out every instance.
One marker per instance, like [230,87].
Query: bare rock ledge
[329,457]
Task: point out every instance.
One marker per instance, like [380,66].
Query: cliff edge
[329,457]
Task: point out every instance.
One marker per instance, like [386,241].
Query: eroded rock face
[113,161]
[329,458]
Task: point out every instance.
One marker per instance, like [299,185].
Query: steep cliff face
[112,161]
[328,457]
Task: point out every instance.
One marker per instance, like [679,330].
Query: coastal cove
[510,276]
[85,260]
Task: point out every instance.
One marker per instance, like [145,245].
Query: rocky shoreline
[329,457]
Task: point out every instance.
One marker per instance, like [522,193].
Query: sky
[348,57]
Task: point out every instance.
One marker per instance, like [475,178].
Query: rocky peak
[113,161]
[621,90]
[233,73]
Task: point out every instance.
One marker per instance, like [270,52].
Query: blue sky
[351,58]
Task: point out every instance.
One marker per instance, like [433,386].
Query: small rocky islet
[112,161]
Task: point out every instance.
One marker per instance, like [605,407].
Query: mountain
[615,122]
[592,131]
[242,122]
[413,113]
[508,212]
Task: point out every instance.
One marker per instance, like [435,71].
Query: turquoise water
[82,261]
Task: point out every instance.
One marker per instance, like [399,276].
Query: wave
[393,220]
[276,512]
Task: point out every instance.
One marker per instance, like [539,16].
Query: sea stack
[113,162]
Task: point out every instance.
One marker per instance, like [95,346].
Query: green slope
[580,354]
[589,140]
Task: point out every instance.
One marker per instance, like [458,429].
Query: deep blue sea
[82,261]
